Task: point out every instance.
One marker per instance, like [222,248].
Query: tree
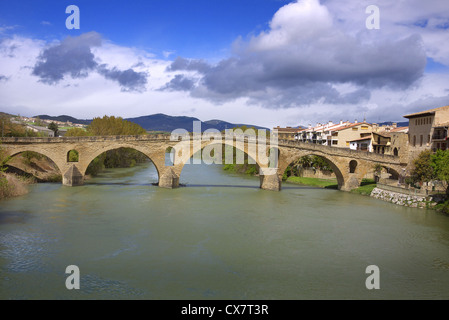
[423,170]
[108,126]
[38,122]
[440,166]
[119,158]
[54,127]
[76,132]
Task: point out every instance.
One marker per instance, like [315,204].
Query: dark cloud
[129,80]
[73,56]
[189,65]
[296,63]
[179,83]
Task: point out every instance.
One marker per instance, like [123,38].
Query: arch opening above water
[309,165]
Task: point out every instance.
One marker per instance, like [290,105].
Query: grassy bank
[365,188]
[322,183]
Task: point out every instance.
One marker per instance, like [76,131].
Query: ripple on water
[96,285]
[24,251]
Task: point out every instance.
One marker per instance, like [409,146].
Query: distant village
[426,130]
[41,125]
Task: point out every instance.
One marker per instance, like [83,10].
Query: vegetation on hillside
[11,129]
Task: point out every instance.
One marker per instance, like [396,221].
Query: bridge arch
[185,158]
[87,156]
[49,155]
[285,159]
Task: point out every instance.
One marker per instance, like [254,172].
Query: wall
[408,200]
[312,173]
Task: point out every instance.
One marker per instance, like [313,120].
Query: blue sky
[267,62]
[195,28]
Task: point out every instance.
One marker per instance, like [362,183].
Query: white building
[362,144]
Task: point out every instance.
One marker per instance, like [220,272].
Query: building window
[334,141]
[428,138]
[364,127]
[420,140]
[414,141]
[355,129]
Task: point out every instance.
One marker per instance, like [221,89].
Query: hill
[162,122]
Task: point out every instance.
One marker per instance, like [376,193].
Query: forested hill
[162,122]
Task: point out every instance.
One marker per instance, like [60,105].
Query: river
[220,237]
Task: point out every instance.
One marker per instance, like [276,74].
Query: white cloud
[306,36]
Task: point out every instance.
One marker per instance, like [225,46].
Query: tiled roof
[430,111]
[352,125]
[361,139]
[399,129]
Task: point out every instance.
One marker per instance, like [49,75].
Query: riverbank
[366,187]
[315,182]
[12,185]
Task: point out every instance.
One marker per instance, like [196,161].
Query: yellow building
[342,136]
[428,130]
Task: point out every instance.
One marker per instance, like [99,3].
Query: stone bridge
[349,166]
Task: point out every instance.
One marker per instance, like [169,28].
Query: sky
[262,62]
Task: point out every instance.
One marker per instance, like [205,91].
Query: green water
[220,237]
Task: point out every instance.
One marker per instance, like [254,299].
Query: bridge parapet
[345,152]
[13,140]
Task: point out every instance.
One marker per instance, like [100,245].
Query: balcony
[439,136]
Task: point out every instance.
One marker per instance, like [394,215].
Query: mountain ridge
[162,122]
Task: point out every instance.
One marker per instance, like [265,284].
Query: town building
[362,144]
[42,130]
[428,130]
[287,133]
[342,136]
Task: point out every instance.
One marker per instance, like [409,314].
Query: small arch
[73,156]
[395,152]
[352,166]
[170,154]
[273,155]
